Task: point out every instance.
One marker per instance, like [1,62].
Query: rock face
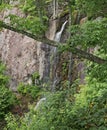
[25,56]
[22,55]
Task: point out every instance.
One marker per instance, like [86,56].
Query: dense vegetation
[75,106]
[7,99]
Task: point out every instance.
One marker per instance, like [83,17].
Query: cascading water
[58,34]
[57,38]
[55,62]
[39,103]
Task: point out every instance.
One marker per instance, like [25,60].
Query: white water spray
[56,56]
[39,103]
[58,34]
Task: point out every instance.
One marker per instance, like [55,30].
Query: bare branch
[80,53]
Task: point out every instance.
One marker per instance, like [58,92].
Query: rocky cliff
[24,56]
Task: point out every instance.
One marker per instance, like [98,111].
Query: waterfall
[57,38]
[39,103]
[58,34]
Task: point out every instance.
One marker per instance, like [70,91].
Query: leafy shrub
[30,90]
[7,98]
[93,8]
[86,110]
[90,108]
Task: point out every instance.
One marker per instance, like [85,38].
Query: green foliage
[30,90]
[35,76]
[64,110]
[90,106]
[93,7]
[7,98]
[35,8]
[48,118]
[4,5]
[32,6]
[31,24]
[12,122]
[28,6]
[35,13]
[90,34]
[97,72]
